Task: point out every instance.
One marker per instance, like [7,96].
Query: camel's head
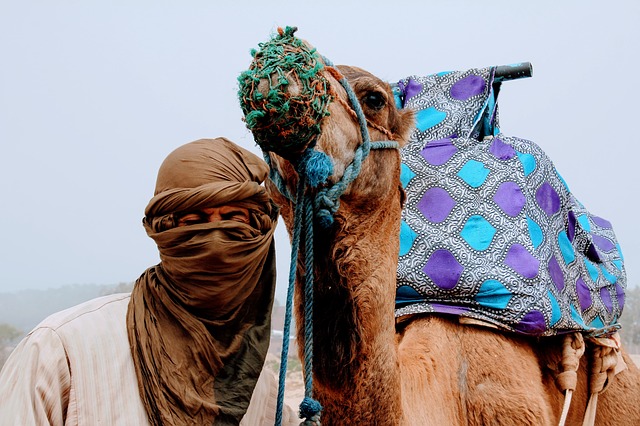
[307,111]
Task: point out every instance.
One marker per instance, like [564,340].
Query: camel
[426,369]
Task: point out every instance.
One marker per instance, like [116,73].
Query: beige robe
[75,368]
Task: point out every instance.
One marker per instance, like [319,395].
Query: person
[188,345]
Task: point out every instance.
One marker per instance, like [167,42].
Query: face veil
[199,321]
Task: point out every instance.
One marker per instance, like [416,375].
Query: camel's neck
[356,374]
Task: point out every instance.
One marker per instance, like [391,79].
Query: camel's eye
[374,100]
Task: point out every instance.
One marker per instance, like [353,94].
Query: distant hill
[24,309]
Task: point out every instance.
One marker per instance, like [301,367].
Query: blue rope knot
[325,207]
[310,408]
[324,218]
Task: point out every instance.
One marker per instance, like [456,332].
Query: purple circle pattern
[548,199]
[521,261]
[444,269]
[501,150]
[468,87]
[436,204]
[439,152]
[510,198]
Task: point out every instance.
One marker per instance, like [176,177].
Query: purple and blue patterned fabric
[490,230]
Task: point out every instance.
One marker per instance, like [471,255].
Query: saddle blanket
[490,231]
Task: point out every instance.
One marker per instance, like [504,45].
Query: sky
[95,94]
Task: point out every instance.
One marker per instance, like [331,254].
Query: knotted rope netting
[287,119]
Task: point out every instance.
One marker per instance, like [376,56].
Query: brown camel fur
[370,369]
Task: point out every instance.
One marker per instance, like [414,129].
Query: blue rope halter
[313,169]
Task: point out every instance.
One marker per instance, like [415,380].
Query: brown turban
[199,321]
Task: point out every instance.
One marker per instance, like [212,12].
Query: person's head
[202,316]
[209,180]
[212,220]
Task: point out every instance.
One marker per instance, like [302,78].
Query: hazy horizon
[96,94]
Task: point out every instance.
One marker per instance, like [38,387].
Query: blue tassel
[317,167]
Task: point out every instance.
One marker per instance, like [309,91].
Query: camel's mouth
[284,95]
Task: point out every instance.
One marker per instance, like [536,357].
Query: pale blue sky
[94,94]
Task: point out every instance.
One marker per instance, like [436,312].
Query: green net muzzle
[284,96]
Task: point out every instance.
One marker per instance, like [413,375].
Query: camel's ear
[404,124]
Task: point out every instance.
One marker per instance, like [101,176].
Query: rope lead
[309,408]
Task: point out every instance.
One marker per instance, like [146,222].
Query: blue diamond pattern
[478,232]
[493,294]
[407,237]
[406,174]
[473,173]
